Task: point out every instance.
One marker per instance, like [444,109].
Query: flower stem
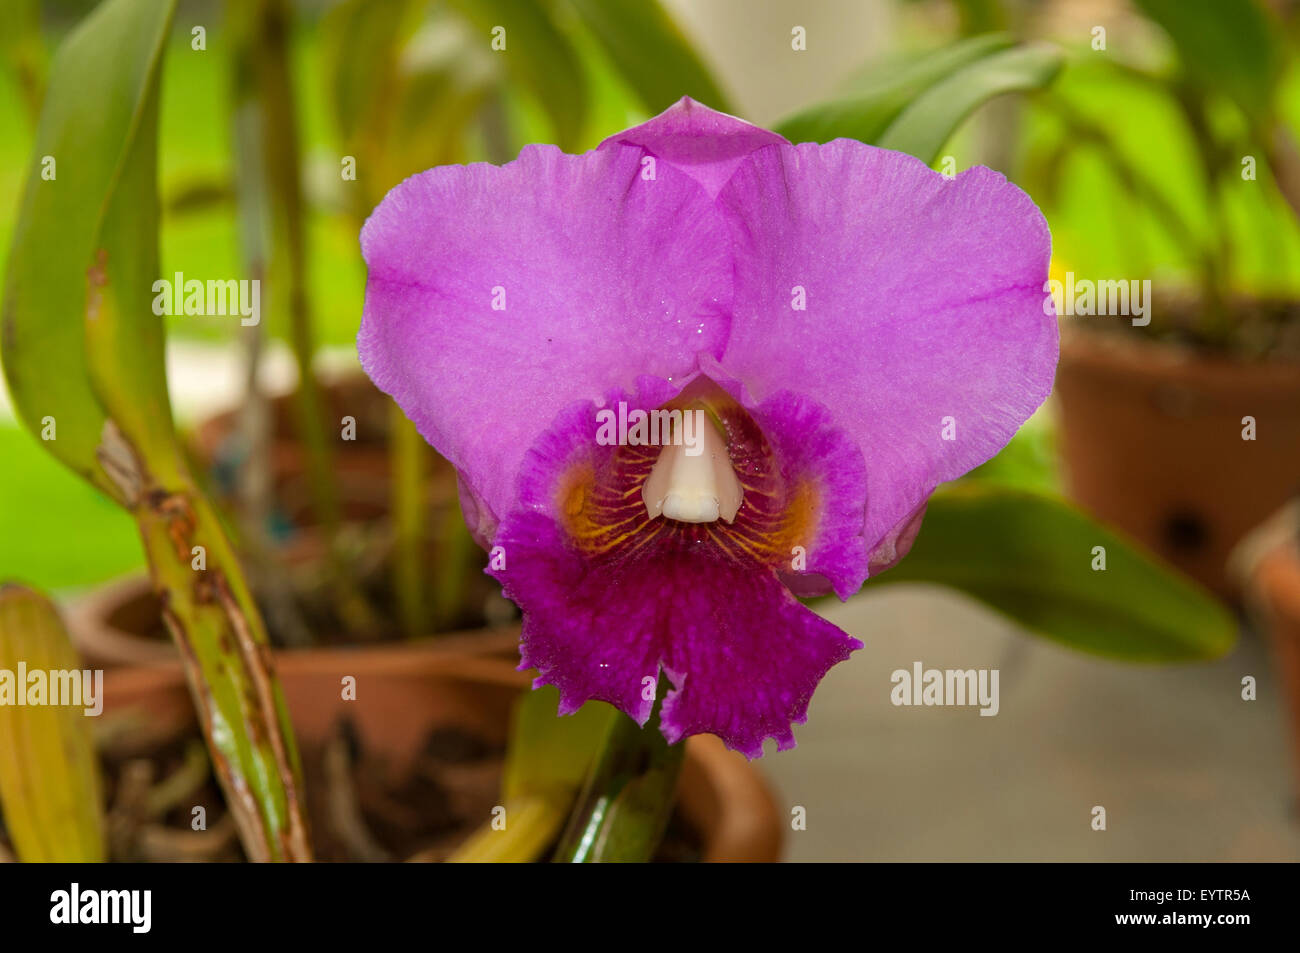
[408,452]
[265,27]
[628,797]
[532,821]
[455,549]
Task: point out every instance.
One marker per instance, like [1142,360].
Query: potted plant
[799,525]
[1180,416]
[1267,566]
[443,741]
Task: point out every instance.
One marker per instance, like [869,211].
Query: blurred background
[1135,145]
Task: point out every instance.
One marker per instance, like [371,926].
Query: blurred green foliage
[1123,173]
[58,508]
[1018,551]
[914,104]
[1096,229]
[199,235]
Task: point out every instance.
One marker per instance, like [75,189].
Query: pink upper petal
[702,142]
[607,275]
[924,301]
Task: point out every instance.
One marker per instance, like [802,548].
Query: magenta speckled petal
[601,276]
[743,654]
[923,301]
[704,143]
[581,631]
[591,634]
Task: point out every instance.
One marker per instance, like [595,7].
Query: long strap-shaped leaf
[646,46]
[927,122]
[537,56]
[916,107]
[83,353]
[877,95]
[627,799]
[49,780]
[546,762]
[1049,567]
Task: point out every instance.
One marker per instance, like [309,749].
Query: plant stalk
[409,455]
[531,823]
[266,24]
[628,797]
[227,660]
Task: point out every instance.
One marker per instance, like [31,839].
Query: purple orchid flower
[851,327]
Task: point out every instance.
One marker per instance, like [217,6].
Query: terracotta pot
[120,624]
[1152,442]
[361,467]
[405,691]
[1268,561]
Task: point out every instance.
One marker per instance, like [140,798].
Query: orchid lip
[699,487]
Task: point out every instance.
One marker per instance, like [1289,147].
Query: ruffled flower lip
[616,595]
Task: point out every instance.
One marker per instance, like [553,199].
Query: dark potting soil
[319,610]
[359,807]
[300,611]
[1254,330]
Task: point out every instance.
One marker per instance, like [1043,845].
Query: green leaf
[879,94]
[538,57]
[652,54]
[101,94]
[49,776]
[1028,462]
[629,793]
[546,761]
[929,120]
[1031,557]
[549,751]
[916,107]
[1233,47]
[22,49]
[359,40]
[124,339]
[82,343]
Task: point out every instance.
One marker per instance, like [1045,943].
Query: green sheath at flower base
[625,804]
[49,779]
[83,356]
[546,761]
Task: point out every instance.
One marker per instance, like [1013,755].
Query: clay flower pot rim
[721,794]
[1173,362]
[1266,562]
[1278,580]
[1269,562]
[1184,452]
[104,644]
